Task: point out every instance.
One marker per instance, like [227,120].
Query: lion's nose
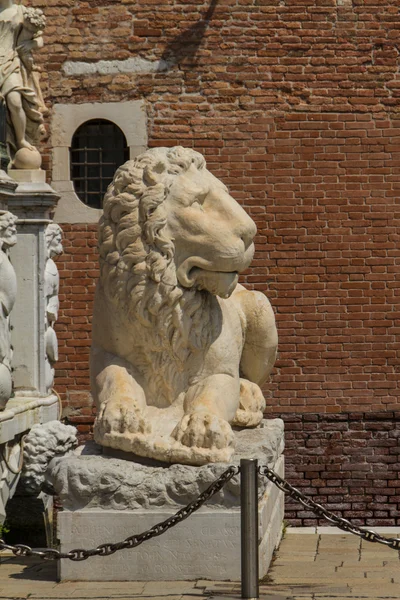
[247,232]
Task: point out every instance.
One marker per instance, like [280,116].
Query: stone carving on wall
[53,237]
[20,34]
[8,292]
[180,349]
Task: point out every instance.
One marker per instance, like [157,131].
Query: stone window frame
[66,118]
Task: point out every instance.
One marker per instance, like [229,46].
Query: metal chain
[132,541]
[323,513]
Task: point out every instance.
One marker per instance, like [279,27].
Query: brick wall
[329,249]
[78,269]
[324,197]
[296,106]
[348,462]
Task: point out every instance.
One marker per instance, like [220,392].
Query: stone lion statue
[179,347]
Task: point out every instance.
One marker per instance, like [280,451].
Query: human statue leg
[18,119]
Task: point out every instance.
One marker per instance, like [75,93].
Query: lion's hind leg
[251,405]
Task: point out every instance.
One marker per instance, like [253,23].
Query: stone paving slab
[313,566]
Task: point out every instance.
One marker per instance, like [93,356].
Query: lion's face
[212,234]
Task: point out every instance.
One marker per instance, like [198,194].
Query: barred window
[98,148]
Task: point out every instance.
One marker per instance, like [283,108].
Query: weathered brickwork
[78,269]
[296,106]
[329,248]
[348,462]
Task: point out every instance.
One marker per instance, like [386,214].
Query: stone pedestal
[107,499]
[33,203]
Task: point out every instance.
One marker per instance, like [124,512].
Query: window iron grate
[98,148]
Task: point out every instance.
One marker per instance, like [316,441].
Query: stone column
[28,197]
[25,395]
[33,203]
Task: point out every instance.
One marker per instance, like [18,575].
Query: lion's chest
[170,379]
[224,352]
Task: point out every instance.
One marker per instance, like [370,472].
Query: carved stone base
[87,479]
[18,417]
[110,498]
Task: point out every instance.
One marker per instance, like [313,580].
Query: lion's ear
[153,174]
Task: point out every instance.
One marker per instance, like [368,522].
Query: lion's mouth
[219,283]
[198,273]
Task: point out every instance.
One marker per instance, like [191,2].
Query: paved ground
[308,566]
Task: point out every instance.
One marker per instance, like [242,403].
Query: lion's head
[170,236]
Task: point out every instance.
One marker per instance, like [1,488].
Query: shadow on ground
[30,569]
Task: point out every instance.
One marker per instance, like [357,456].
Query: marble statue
[41,445]
[20,34]
[180,349]
[53,237]
[8,292]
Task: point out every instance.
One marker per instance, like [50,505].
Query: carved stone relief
[53,236]
[42,444]
[8,292]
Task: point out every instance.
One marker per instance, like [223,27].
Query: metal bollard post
[249,527]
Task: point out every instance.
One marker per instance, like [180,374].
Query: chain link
[323,513]
[132,541]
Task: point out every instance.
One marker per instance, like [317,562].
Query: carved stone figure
[8,292]
[20,34]
[85,479]
[41,445]
[180,349]
[53,236]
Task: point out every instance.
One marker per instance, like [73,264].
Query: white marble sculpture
[20,34]
[41,445]
[8,293]
[85,479]
[53,236]
[179,347]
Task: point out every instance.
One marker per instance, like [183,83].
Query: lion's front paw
[121,417]
[251,405]
[203,430]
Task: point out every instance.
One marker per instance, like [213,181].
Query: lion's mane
[137,265]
